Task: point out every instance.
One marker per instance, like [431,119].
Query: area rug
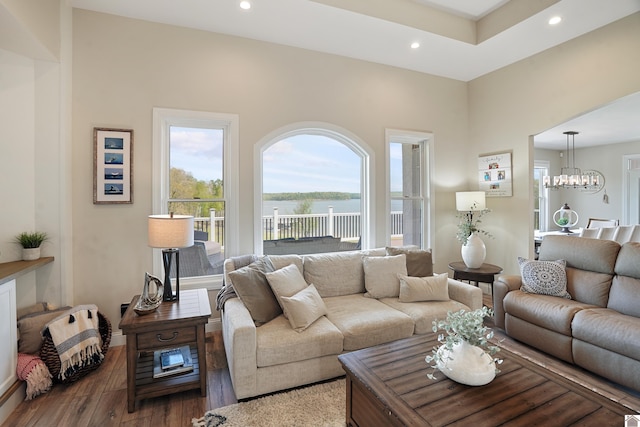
[320,405]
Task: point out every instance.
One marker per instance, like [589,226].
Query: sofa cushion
[627,262]
[419,262]
[586,254]
[251,286]
[286,282]
[280,261]
[424,313]
[365,322]
[588,286]
[430,288]
[625,295]
[549,312]
[381,275]
[278,343]
[303,308]
[334,274]
[609,329]
[544,277]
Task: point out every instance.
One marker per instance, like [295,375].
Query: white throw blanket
[76,337]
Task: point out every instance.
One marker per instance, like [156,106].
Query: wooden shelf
[11,270]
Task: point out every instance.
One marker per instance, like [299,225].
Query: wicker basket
[49,354]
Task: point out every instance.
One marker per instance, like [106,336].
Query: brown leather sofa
[599,328]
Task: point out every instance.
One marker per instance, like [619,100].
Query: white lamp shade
[166,231]
[465,201]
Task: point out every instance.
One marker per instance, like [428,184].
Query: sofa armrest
[239,335]
[467,294]
[501,287]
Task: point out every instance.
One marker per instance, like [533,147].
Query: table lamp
[169,233]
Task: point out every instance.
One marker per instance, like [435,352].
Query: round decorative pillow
[544,277]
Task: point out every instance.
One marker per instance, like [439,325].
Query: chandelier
[571,176]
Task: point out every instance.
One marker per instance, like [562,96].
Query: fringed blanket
[227,290]
[31,368]
[76,337]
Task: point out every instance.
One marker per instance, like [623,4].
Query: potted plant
[473,250]
[30,243]
[466,355]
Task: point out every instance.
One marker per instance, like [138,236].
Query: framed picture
[112,166]
[494,175]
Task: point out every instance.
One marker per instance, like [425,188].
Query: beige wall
[119,76]
[509,105]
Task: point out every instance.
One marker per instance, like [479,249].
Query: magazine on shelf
[171,358]
[186,366]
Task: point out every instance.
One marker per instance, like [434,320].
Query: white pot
[30,254]
[474,252]
[467,364]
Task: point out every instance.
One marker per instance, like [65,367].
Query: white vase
[30,254]
[467,364]
[474,252]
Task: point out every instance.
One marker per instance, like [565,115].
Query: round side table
[485,273]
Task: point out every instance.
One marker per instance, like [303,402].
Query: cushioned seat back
[590,265]
[335,274]
[625,289]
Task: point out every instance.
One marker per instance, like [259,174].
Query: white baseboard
[117,338]
[12,402]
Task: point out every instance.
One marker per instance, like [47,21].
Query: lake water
[320,206]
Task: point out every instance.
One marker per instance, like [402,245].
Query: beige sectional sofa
[599,327]
[273,356]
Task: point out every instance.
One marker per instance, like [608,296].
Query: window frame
[358,146]
[426,139]
[543,198]
[163,119]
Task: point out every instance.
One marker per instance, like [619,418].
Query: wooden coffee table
[387,385]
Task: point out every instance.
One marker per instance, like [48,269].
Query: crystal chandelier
[571,176]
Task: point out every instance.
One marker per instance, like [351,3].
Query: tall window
[540,196]
[192,152]
[408,188]
[313,197]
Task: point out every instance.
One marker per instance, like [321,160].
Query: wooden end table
[172,325]
[486,273]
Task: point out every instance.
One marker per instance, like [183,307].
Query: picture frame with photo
[495,174]
[112,166]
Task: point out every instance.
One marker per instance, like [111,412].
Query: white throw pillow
[286,282]
[544,277]
[430,288]
[304,308]
[381,275]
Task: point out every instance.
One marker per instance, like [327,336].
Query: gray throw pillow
[419,261]
[251,286]
[544,277]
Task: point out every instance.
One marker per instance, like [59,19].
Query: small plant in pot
[466,355]
[30,243]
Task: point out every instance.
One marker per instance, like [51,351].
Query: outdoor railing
[276,226]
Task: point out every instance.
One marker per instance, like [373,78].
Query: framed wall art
[112,166]
[495,176]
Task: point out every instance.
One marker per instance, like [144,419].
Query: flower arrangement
[463,326]
[31,240]
[468,224]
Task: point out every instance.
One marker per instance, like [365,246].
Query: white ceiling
[381,31]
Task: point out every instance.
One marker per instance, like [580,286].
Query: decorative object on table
[170,233]
[471,206]
[571,176]
[31,242]
[465,356]
[565,218]
[494,175]
[78,355]
[32,369]
[149,303]
[112,166]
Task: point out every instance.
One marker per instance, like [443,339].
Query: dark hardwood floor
[100,398]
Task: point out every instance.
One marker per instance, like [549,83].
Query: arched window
[314,197]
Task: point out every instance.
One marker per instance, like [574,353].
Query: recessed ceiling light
[415,45]
[555,20]
[246,5]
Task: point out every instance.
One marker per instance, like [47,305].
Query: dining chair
[599,223]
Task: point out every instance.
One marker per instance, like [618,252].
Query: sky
[300,163]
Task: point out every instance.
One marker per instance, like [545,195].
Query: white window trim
[367,173]
[544,210]
[427,139]
[163,119]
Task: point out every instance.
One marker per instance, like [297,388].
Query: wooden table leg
[202,359]
[132,362]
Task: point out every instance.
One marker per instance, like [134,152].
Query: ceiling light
[570,175]
[246,5]
[415,45]
[555,20]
